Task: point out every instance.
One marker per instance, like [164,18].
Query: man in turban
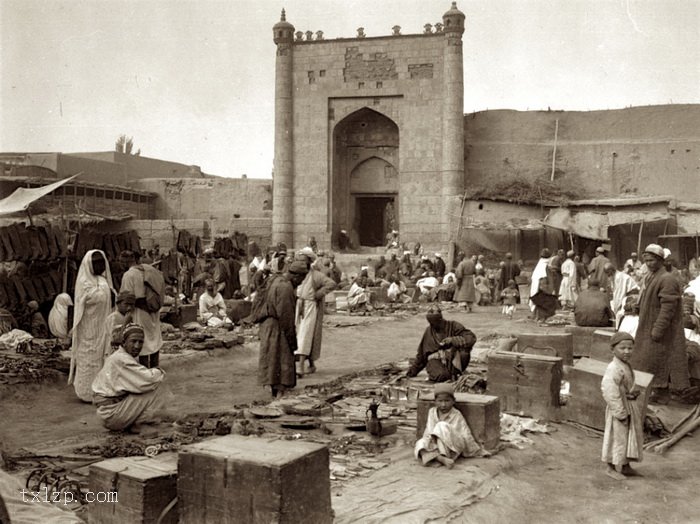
[445,349]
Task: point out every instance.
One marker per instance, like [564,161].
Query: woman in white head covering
[91,338]
[58,317]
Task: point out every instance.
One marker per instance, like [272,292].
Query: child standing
[510,297]
[623,437]
[447,435]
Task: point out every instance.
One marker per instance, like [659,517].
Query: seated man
[127,393]
[358,295]
[212,307]
[426,284]
[397,291]
[39,328]
[592,307]
[444,350]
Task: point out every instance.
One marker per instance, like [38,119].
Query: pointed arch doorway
[365,177]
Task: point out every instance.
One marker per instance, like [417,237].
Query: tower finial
[283,17]
[454,6]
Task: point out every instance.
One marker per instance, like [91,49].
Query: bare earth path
[557,479]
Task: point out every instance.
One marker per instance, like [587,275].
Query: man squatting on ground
[127,393]
[444,350]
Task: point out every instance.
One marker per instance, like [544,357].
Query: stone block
[586,404]
[600,345]
[482,413]
[251,480]
[527,385]
[144,486]
[551,344]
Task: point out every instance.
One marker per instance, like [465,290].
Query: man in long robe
[133,282]
[466,291]
[568,290]
[596,269]
[126,392]
[278,338]
[311,295]
[660,341]
[445,349]
[622,285]
[554,270]
[543,300]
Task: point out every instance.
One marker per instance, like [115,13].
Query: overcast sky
[193,80]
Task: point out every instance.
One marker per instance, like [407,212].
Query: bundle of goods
[23,243]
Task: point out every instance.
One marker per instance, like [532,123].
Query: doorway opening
[375,218]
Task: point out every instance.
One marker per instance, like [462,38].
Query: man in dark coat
[278,338]
[592,307]
[596,269]
[660,342]
[444,350]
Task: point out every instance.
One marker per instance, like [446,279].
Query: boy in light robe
[624,433]
[446,435]
[127,393]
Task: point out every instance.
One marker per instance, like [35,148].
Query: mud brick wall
[651,150]
[224,204]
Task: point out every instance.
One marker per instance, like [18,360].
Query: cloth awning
[585,224]
[22,197]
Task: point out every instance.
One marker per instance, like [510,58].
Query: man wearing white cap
[568,290]
[439,266]
[596,269]
[660,342]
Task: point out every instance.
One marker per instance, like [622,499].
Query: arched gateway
[369,134]
[365,176]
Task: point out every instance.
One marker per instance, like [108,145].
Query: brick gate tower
[369,134]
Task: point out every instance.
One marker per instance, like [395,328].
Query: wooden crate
[250,480]
[550,344]
[482,413]
[581,337]
[586,404]
[600,345]
[144,486]
[527,385]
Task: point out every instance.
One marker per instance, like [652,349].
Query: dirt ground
[558,478]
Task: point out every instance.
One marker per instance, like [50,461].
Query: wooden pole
[554,153]
[639,238]
[696,245]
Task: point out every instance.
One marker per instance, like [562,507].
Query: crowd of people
[649,298]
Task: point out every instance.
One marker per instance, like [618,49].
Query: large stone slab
[527,385]
[586,404]
[236,479]
[144,486]
[482,413]
[550,344]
